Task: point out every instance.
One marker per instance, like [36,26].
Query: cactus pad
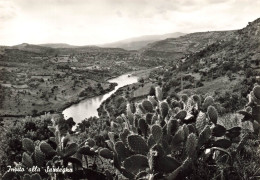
[150,141]
[121,150]
[218,130]
[233,132]
[111,136]
[184,98]
[91,142]
[222,143]
[178,137]
[185,130]
[155,118]
[85,150]
[28,145]
[204,136]
[36,176]
[191,128]
[191,145]
[152,100]
[213,114]
[137,144]
[158,93]
[208,101]
[123,135]
[143,126]
[27,160]
[175,104]
[47,149]
[148,118]
[152,161]
[140,108]
[197,99]
[106,153]
[147,105]
[71,149]
[172,127]
[201,121]
[26,177]
[181,115]
[39,157]
[136,163]
[129,114]
[167,164]
[164,108]
[156,132]
[159,149]
[256,91]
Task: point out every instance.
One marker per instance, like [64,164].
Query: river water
[88,107]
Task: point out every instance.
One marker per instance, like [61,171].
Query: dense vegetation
[178,138]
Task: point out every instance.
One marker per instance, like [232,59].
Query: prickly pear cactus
[167,137]
[164,109]
[137,144]
[147,105]
[201,121]
[212,114]
[208,101]
[156,132]
[254,97]
[158,93]
[58,152]
[28,144]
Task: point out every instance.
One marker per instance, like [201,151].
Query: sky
[91,22]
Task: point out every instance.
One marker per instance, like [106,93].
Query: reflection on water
[88,107]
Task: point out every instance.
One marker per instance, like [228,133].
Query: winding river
[88,107]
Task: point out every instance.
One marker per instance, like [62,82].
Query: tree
[34,112]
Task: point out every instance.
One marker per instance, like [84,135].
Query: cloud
[7,10]
[99,21]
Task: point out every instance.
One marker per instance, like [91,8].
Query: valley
[172,103]
[36,79]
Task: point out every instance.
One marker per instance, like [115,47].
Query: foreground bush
[58,153]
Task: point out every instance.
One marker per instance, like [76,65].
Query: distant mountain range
[137,43]
[171,46]
[58,45]
[60,48]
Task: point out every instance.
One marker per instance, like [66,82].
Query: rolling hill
[58,45]
[50,49]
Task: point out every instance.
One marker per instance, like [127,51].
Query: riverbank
[88,107]
[65,103]
[139,90]
[59,106]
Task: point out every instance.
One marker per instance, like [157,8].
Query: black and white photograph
[129,89]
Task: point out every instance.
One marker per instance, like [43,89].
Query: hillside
[242,47]
[52,49]
[137,43]
[175,48]
[32,48]
[226,69]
